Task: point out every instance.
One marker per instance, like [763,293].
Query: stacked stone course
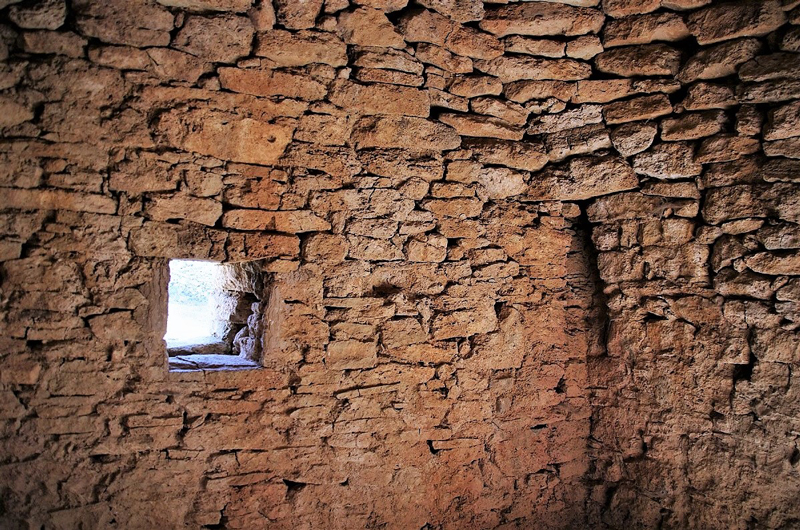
[533,264]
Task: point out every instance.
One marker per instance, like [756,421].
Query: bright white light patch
[194,300]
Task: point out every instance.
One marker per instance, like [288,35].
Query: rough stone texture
[522,265]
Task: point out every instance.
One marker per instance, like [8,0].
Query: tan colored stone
[570,119]
[46,42]
[380,99]
[719,61]
[668,161]
[470,42]
[458,10]
[730,20]
[527,156]
[633,138]
[431,54]
[297,14]
[301,48]
[774,265]
[422,25]
[584,47]
[291,222]
[646,60]
[428,248]
[644,29]
[12,112]
[511,68]
[260,82]
[221,39]
[464,323]
[693,125]
[482,126]
[475,85]
[46,14]
[704,96]
[640,108]
[524,91]
[32,199]
[583,178]
[369,27]
[724,148]
[541,18]
[504,110]
[783,122]
[351,355]
[226,137]
[579,141]
[237,6]
[624,8]
[197,210]
[403,132]
[531,46]
[126,23]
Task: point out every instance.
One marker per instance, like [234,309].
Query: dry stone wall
[532,264]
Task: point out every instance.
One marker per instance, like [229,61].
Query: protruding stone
[719,61]
[583,178]
[470,42]
[297,14]
[475,85]
[380,99]
[458,10]
[693,125]
[580,141]
[236,6]
[541,18]
[724,148]
[482,126]
[729,20]
[518,155]
[636,109]
[292,222]
[45,14]
[369,27]
[260,82]
[647,60]
[301,48]
[513,68]
[668,161]
[633,138]
[570,119]
[704,96]
[644,29]
[404,132]
[219,39]
[767,67]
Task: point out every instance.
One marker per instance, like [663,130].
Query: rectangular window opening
[213,315]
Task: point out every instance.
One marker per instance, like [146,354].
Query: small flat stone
[515,68]
[724,148]
[482,126]
[541,18]
[583,178]
[721,60]
[730,20]
[644,29]
[693,125]
[632,138]
[668,161]
[301,48]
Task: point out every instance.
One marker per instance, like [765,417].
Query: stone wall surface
[531,264]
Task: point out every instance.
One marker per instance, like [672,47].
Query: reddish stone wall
[532,264]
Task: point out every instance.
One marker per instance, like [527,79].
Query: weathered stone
[780,170]
[351,355]
[431,248]
[224,136]
[504,110]
[541,18]
[783,122]
[292,222]
[641,108]
[668,161]
[237,6]
[633,138]
[203,211]
[464,323]
[583,178]
[523,91]
[732,283]
[644,29]
[431,54]
[380,99]
[175,65]
[605,90]
[768,91]
[13,113]
[369,27]
[410,133]
[650,59]
[724,148]
[336,161]
[46,14]
[22,199]
[302,48]
[61,43]
[730,20]
[624,8]
[580,141]
[719,61]
[790,148]
[422,25]
[577,117]
[509,68]
[518,155]
[470,42]
[767,67]
[297,14]
[693,126]
[584,47]
[704,96]
[482,126]
[122,22]
[773,264]
[220,39]
[259,82]
[475,85]
[746,201]
[531,46]
[458,10]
